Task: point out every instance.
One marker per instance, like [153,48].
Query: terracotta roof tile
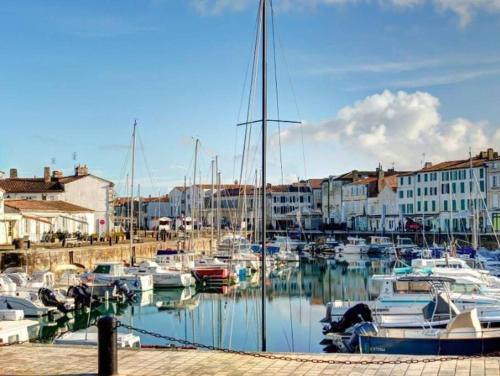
[45,205]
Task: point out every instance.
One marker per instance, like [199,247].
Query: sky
[372,81]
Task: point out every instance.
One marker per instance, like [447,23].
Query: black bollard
[108,357]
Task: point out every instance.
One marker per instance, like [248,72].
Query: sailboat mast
[131,229]
[263,209]
[193,190]
[212,208]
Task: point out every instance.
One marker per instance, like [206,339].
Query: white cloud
[398,127]
[464,9]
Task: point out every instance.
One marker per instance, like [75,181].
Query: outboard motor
[49,299]
[363,328]
[81,294]
[356,314]
[123,289]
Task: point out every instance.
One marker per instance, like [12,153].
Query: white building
[447,195]
[81,189]
[288,203]
[39,217]
[9,222]
[333,210]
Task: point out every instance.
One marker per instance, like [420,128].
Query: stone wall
[49,259]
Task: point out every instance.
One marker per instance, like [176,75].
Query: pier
[30,359]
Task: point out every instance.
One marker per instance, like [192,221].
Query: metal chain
[303,360]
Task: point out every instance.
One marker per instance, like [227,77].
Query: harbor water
[229,317]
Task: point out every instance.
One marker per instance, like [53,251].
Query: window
[494,181]
[419,192]
[102,269]
[433,206]
[481,185]
[419,207]
[425,191]
[409,179]
[462,187]
[425,177]
[454,205]
[454,187]
[481,173]
[425,206]
[445,204]
[401,181]
[410,208]
[418,178]
[462,204]
[401,194]
[409,194]
[402,209]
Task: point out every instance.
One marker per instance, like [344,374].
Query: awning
[43,220]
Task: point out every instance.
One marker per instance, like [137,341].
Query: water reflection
[230,316]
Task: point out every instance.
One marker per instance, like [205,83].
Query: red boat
[212,275]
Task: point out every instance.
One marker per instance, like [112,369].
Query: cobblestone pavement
[65,360]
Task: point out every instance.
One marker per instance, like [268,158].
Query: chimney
[57,174]
[81,170]
[491,154]
[428,164]
[13,173]
[46,174]
[380,172]
[355,175]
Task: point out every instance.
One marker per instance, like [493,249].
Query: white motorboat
[173,259]
[406,296]
[33,301]
[109,272]
[354,245]
[380,244]
[89,337]
[453,267]
[285,243]
[14,328]
[162,277]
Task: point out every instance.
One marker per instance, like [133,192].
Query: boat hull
[429,346]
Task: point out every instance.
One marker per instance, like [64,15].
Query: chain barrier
[304,360]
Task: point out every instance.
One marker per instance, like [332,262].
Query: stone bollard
[107,351]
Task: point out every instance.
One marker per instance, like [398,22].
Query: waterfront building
[154,208]
[448,196]
[370,203]
[292,205]
[9,222]
[333,210]
[38,218]
[493,189]
[81,189]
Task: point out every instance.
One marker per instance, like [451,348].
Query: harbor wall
[87,257]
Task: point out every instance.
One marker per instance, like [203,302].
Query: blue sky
[374,81]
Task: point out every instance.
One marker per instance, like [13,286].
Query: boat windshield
[412,287]
[102,269]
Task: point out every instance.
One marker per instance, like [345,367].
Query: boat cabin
[381,241]
[109,268]
[171,258]
[356,241]
[450,262]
